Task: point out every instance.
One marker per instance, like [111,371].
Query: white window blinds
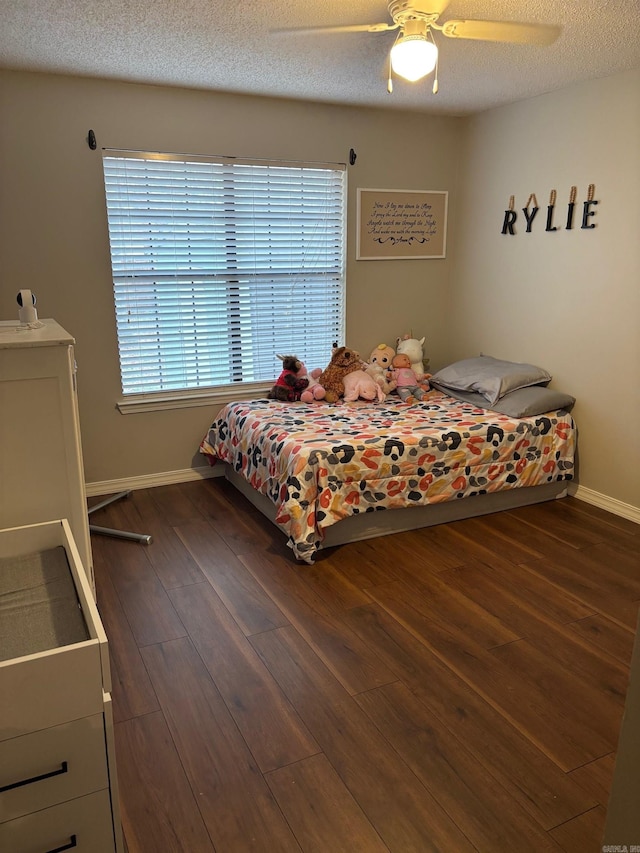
[219,264]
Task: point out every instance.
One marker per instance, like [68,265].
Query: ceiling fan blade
[506,31]
[353,28]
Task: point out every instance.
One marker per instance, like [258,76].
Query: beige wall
[53,230]
[569,300]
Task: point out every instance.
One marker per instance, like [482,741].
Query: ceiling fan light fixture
[413,57]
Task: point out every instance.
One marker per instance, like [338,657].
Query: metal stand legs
[143,538]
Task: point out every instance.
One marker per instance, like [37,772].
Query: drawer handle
[73,843]
[63,769]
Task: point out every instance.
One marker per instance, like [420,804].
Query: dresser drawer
[48,767]
[59,684]
[80,826]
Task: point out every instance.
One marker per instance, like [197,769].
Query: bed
[329,474]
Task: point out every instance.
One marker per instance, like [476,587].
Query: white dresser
[41,467]
[58,783]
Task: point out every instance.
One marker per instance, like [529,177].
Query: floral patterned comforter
[321,463]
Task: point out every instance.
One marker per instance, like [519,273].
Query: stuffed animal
[379,365]
[291,382]
[359,385]
[343,361]
[408,380]
[314,390]
[413,348]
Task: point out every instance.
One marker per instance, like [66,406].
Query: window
[219,264]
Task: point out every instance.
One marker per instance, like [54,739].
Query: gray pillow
[534,400]
[522,403]
[491,377]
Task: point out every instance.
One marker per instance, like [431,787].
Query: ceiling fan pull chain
[390,78]
[435,75]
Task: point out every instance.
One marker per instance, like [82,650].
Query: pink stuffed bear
[314,391]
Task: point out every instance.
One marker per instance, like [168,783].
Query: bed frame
[369,525]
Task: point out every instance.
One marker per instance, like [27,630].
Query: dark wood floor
[456,688]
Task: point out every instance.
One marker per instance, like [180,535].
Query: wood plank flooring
[458,688]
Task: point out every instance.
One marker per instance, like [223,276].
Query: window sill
[138,403]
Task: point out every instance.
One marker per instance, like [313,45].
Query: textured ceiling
[223,46]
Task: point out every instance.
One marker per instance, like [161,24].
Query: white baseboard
[166,478]
[612,505]
[148,481]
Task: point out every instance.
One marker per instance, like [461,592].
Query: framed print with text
[395,224]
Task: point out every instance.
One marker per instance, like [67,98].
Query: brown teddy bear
[343,361]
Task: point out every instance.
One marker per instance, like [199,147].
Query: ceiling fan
[414,53]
